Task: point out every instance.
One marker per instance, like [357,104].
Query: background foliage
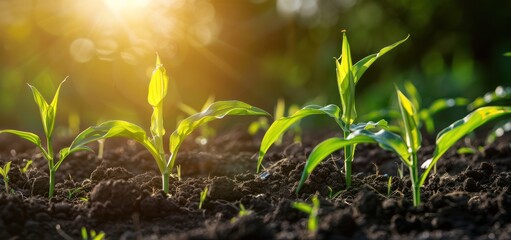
[255,51]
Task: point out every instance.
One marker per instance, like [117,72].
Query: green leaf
[324,149]
[48,111]
[387,140]
[411,121]
[368,125]
[4,171]
[346,83]
[25,135]
[508,54]
[116,128]
[216,110]
[415,97]
[278,127]
[361,66]
[500,93]
[450,135]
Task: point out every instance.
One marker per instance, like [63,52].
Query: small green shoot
[508,54]
[332,194]
[348,75]
[25,168]
[71,193]
[241,213]
[4,171]
[389,186]
[407,145]
[91,234]
[48,115]
[203,195]
[312,210]
[154,144]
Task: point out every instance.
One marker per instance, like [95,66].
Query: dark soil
[468,198]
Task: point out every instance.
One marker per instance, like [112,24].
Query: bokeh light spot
[82,50]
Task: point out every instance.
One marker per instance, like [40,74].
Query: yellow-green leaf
[158,84]
[361,66]
[410,121]
[279,126]
[450,135]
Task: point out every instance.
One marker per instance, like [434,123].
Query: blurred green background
[251,50]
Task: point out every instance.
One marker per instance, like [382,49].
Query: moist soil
[468,197]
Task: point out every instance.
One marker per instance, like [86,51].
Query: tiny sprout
[389,186]
[24,170]
[203,195]
[312,210]
[4,171]
[242,212]
[91,234]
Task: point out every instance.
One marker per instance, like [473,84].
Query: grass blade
[450,135]
[278,127]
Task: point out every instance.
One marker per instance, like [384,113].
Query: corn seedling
[425,114]
[407,145]
[91,234]
[4,171]
[154,144]
[203,195]
[348,75]
[48,114]
[312,210]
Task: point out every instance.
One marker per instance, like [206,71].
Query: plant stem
[414,177]
[349,151]
[165,181]
[52,181]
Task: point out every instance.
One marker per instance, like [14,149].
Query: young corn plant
[48,114]
[4,171]
[406,145]
[426,114]
[154,144]
[348,75]
[312,210]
